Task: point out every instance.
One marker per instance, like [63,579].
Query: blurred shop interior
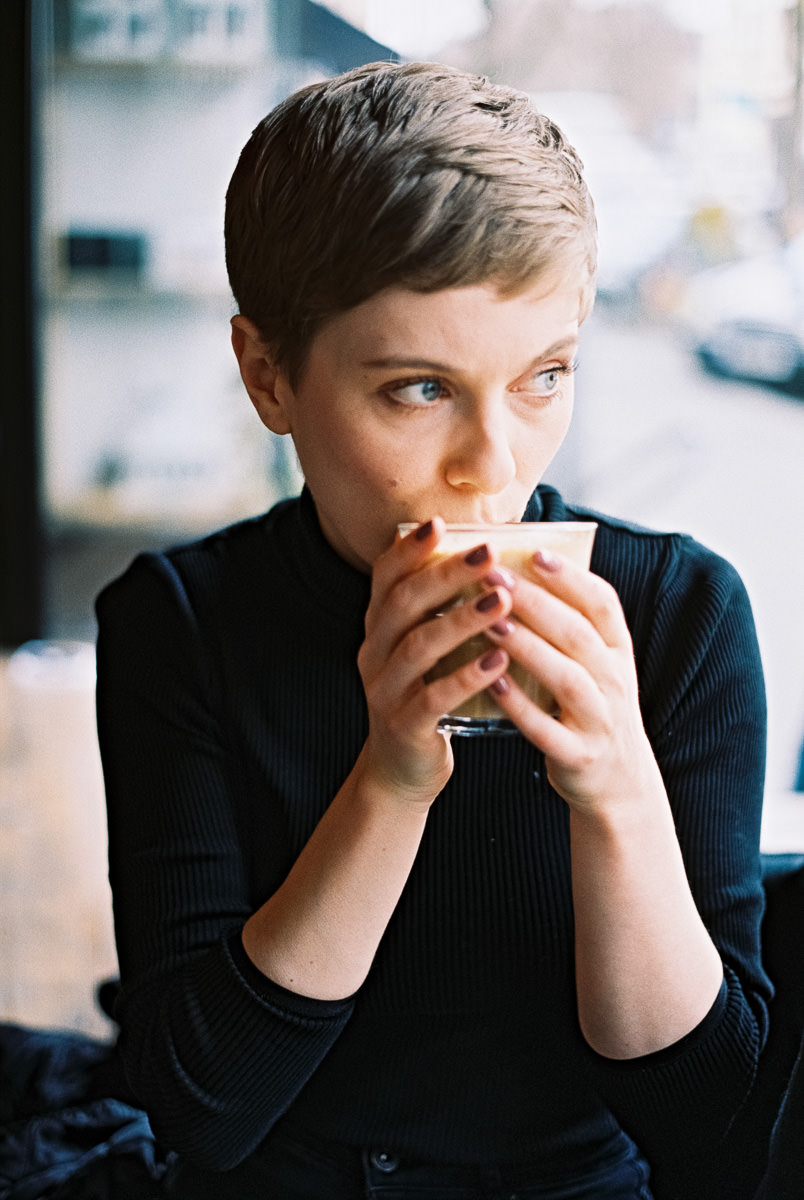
[123,423]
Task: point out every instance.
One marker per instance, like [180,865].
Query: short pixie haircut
[413,175]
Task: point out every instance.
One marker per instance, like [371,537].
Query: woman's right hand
[319,932]
[405,639]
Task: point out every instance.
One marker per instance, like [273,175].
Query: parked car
[746,319]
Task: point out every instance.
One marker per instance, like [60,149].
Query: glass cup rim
[512,528]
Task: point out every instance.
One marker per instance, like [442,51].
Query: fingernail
[546,560]
[500,686]
[475,557]
[501,577]
[423,532]
[502,627]
[488,602]
[493,659]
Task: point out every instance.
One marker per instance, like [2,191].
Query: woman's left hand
[569,630]
[635,916]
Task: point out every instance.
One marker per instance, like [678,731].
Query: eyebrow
[396,362]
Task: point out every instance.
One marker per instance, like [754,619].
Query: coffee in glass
[515,545]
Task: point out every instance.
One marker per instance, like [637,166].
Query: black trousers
[286,1169]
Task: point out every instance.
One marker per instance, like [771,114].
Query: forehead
[454,323]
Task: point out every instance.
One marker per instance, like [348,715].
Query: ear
[265,382]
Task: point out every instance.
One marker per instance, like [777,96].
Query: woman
[358,957]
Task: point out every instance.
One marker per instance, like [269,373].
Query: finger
[406,553]
[435,647]
[584,591]
[418,552]
[578,692]
[567,655]
[544,620]
[412,583]
[429,701]
[542,728]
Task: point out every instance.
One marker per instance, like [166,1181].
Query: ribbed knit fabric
[230,710]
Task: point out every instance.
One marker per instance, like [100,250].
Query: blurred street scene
[660,441]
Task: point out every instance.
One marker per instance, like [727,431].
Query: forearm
[647,970]
[319,932]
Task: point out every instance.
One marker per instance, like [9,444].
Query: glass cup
[515,545]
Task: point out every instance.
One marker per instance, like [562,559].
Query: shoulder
[174,618]
[194,574]
[649,566]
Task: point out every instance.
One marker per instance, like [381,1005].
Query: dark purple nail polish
[488,602]
[491,660]
[475,557]
[499,687]
[423,532]
[503,627]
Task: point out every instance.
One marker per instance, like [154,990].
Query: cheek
[334,444]
[562,417]
[544,440]
[379,460]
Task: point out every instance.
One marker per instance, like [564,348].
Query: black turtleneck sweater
[230,711]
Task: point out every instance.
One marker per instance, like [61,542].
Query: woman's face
[414,405]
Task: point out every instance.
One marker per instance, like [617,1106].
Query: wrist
[625,822]
[379,786]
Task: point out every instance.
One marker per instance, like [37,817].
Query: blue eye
[417,391]
[548,383]
[550,379]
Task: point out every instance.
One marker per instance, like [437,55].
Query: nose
[480,456]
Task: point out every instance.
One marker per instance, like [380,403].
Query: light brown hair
[411,175]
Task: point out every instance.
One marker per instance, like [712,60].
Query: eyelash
[562,369]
